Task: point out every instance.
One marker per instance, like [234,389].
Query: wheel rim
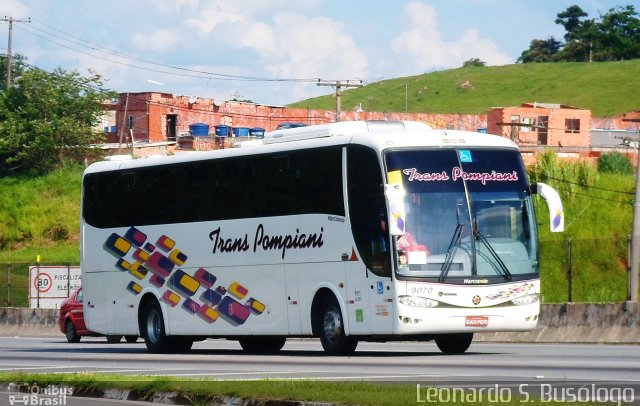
[332,324]
[154,326]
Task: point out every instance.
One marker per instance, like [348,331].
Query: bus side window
[367,210]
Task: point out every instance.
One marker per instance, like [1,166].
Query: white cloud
[155,41]
[169,8]
[13,8]
[214,14]
[286,44]
[315,46]
[260,37]
[312,47]
[423,47]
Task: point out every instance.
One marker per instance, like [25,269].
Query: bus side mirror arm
[556,211]
[397,215]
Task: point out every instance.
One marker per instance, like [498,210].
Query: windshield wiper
[453,247]
[505,271]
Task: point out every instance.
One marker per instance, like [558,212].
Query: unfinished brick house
[542,124]
[152,117]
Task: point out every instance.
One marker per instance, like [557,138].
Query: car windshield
[468,215]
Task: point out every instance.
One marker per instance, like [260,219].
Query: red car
[71,321]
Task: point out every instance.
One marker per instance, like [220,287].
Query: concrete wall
[584,323]
[580,323]
[20,321]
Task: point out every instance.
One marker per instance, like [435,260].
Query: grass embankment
[594,246]
[40,216]
[201,391]
[606,88]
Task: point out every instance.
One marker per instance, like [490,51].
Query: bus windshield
[469,217]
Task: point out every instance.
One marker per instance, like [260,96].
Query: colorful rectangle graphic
[156,264]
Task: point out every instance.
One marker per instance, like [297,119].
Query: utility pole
[635,231]
[11,20]
[339,85]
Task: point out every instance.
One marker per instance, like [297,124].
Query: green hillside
[606,88]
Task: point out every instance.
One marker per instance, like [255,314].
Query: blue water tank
[241,131]
[199,129]
[222,130]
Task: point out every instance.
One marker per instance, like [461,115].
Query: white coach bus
[352,231]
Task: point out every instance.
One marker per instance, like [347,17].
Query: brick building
[157,119]
[154,117]
[542,124]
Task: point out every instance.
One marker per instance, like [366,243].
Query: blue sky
[277,48]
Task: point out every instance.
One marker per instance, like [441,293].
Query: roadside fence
[50,280]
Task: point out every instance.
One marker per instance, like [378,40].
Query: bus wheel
[332,336]
[262,345]
[454,343]
[153,329]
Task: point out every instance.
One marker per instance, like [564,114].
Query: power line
[601,198]
[189,72]
[588,186]
[164,104]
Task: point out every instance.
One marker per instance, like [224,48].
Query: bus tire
[451,344]
[153,332]
[262,345]
[332,336]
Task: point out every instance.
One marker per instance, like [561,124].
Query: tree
[619,35]
[581,45]
[570,20]
[614,36]
[615,162]
[18,66]
[540,51]
[46,118]
[474,62]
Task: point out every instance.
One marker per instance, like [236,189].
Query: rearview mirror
[556,211]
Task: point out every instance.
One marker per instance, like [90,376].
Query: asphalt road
[484,364]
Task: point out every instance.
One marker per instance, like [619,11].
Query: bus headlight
[526,299]
[417,301]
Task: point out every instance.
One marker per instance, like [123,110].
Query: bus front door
[357,298]
[381,300]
